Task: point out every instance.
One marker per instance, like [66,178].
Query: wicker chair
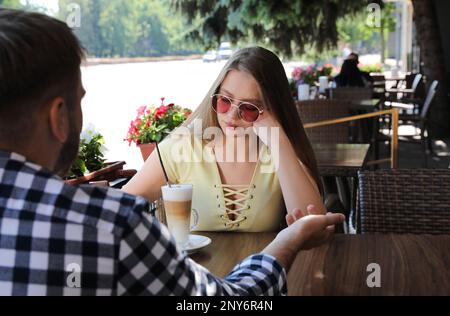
[334,183]
[366,128]
[319,110]
[413,201]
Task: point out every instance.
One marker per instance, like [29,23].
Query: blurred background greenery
[311,30]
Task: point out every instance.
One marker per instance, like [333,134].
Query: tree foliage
[287,25]
[13,4]
[116,28]
[354,28]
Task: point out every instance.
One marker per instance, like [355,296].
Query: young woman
[232,191]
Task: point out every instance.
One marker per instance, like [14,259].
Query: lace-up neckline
[236,198]
[235,206]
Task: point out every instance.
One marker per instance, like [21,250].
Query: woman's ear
[58,119]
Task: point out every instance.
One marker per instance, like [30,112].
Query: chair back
[351,93]
[405,201]
[312,111]
[429,99]
[415,83]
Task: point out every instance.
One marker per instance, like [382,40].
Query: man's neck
[36,154]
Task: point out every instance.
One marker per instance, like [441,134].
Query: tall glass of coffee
[177,204]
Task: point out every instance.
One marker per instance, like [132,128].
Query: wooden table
[348,157]
[367,105]
[409,264]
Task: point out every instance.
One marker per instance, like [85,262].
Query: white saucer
[196,242]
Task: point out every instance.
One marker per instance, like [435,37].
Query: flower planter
[111,172]
[154,123]
[146,150]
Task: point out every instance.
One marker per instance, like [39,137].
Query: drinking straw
[162,165]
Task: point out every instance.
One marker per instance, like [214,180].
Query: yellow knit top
[257,206]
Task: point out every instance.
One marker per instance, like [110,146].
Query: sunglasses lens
[249,112]
[222,104]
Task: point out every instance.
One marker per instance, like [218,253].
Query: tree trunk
[433,67]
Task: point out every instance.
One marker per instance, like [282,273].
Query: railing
[394,125]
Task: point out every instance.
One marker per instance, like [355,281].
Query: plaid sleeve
[150,264]
[258,275]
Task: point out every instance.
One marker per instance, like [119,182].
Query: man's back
[50,231]
[57,239]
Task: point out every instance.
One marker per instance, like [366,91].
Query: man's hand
[316,238]
[306,230]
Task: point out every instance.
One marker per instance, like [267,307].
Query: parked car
[211,56]
[225,50]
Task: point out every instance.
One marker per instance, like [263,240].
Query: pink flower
[296,73]
[141,110]
[161,111]
[132,127]
[149,120]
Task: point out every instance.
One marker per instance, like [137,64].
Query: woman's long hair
[269,72]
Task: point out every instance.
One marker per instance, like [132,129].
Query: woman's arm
[298,187]
[148,181]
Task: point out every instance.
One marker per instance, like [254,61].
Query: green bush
[90,155]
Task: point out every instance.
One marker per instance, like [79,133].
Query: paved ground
[410,155]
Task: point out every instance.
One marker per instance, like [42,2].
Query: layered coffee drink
[177,204]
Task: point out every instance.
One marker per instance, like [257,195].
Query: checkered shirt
[57,239]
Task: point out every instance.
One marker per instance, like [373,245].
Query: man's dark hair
[40,59]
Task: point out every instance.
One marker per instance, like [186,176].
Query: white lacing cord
[240,204]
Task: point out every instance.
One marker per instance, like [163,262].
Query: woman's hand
[266,126]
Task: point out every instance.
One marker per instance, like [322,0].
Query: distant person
[366,75]
[58,239]
[351,75]
[353,56]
